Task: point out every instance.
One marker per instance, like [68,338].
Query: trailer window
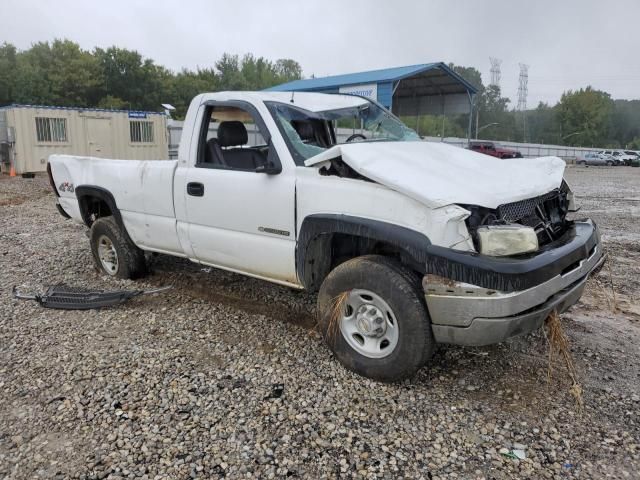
[51,129]
[141,131]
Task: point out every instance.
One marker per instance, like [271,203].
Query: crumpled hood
[438,174]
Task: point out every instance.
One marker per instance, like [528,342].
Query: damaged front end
[545,217]
[477,299]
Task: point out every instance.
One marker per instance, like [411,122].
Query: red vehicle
[493,149]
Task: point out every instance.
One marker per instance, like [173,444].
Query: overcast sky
[567,43]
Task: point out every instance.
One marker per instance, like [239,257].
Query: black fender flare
[317,226]
[84,191]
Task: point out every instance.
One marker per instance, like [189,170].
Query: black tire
[130,259]
[401,290]
[609,164]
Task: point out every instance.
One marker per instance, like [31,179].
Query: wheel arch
[323,238]
[98,201]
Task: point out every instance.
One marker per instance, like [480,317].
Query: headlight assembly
[505,240]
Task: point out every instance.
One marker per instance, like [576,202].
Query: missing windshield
[309,133]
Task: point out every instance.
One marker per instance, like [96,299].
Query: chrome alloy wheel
[369,325]
[108,255]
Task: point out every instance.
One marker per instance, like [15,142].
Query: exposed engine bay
[546,214]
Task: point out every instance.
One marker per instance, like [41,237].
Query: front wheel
[373,316]
[113,252]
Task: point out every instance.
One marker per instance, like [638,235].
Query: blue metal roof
[371,76]
[84,109]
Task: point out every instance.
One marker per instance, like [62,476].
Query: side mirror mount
[269,168]
[272,166]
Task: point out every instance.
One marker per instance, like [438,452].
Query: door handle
[195,189]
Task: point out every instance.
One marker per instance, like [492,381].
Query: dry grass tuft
[611,298]
[559,343]
[605,293]
[613,290]
[337,310]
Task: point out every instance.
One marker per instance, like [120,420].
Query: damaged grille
[513,212]
[546,214]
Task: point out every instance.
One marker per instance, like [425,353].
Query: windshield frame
[300,159]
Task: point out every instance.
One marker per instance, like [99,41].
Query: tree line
[61,73]
[585,117]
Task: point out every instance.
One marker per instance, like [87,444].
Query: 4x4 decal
[66,187]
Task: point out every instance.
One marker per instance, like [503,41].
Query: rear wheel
[113,252]
[609,163]
[373,316]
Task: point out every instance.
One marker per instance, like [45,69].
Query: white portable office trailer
[30,133]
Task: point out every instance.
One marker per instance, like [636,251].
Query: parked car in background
[609,155]
[493,149]
[634,157]
[623,157]
[595,159]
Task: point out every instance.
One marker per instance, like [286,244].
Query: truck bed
[142,190]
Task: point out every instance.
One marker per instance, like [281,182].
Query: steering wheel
[355,136]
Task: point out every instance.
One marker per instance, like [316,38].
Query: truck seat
[213,153]
[230,149]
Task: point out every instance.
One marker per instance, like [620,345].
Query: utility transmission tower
[522,97]
[522,87]
[495,82]
[495,71]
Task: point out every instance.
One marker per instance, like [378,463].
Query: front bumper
[465,313]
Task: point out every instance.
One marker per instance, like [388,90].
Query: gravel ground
[188,384]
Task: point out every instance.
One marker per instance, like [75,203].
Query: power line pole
[522,97]
[495,71]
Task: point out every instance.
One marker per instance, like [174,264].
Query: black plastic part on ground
[64,297]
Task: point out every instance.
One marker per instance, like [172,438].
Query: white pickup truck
[409,243]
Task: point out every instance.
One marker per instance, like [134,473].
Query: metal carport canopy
[425,89]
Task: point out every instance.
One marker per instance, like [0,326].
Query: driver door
[241,218]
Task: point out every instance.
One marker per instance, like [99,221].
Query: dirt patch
[12,199]
[258,307]
[227,288]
